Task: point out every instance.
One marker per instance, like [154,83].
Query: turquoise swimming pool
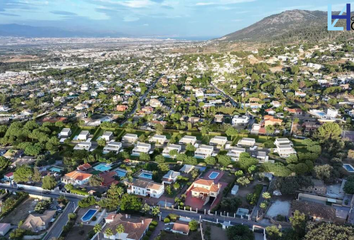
[145,175]
[213,175]
[121,173]
[103,167]
[89,215]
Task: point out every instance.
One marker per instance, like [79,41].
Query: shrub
[173,217]
[154,223]
[166,220]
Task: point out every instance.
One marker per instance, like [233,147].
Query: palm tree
[108,232]
[120,191]
[97,229]
[120,229]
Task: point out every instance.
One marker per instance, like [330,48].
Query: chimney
[126,215]
[142,221]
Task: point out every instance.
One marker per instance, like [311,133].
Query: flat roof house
[284,147]
[203,151]
[83,136]
[130,138]
[112,147]
[141,148]
[188,140]
[246,142]
[158,139]
[76,178]
[166,151]
[108,135]
[134,227]
[219,141]
[84,146]
[240,119]
[234,153]
[145,188]
[65,133]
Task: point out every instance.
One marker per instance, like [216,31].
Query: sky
[152,18]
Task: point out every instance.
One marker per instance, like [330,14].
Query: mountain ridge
[287,26]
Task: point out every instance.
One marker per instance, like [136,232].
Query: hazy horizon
[192,19]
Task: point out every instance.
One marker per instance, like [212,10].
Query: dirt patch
[21,212]
[79,232]
[276,69]
[213,231]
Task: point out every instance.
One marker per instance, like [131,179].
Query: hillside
[288,26]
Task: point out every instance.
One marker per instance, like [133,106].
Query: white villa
[240,119]
[219,141]
[108,135]
[84,146]
[112,147]
[170,147]
[65,133]
[204,151]
[158,139]
[130,138]
[247,142]
[234,153]
[170,177]
[145,188]
[284,147]
[83,136]
[188,140]
[141,148]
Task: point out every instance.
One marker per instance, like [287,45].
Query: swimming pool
[348,167]
[55,169]
[213,175]
[121,172]
[145,175]
[103,167]
[89,215]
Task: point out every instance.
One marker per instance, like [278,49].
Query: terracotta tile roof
[108,178]
[133,226]
[327,213]
[181,227]
[76,175]
[204,182]
[10,174]
[84,167]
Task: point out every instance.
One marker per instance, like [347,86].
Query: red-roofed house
[204,189]
[9,176]
[84,167]
[108,178]
[76,178]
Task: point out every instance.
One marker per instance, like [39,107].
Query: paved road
[141,100]
[196,216]
[225,94]
[72,197]
[57,228]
